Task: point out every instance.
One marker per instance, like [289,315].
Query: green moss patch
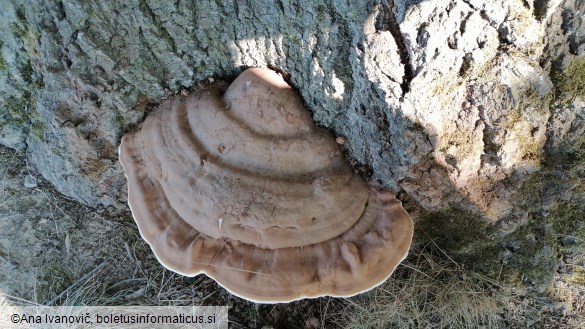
[3,64]
[16,109]
[537,248]
[55,278]
[27,71]
[452,228]
[570,83]
[462,235]
[22,112]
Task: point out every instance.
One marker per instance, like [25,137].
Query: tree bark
[445,101]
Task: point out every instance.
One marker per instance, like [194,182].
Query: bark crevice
[387,21]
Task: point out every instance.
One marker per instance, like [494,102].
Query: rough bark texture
[448,102]
[428,94]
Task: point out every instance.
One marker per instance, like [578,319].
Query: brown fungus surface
[241,185]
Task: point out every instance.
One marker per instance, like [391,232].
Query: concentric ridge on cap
[240,184]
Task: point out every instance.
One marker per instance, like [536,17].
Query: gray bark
[447,101]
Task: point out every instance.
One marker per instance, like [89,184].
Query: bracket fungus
[238,183]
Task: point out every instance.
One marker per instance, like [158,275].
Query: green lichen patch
[30,38]
[16,109]
[22,112]
[119,119]
[27,72]
[513,118]
[460,140]
[40,82]
[530,149]
[570,83]
[445,86]
[37,131]
[3,64]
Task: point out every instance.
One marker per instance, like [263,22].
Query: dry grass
[428,291]
[102,286]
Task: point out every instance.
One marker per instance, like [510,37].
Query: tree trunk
[445,101]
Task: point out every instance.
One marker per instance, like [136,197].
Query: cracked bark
[103,65]
[387,21]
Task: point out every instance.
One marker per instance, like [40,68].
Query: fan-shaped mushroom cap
[240,184]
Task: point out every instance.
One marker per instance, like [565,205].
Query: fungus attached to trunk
[241,185]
